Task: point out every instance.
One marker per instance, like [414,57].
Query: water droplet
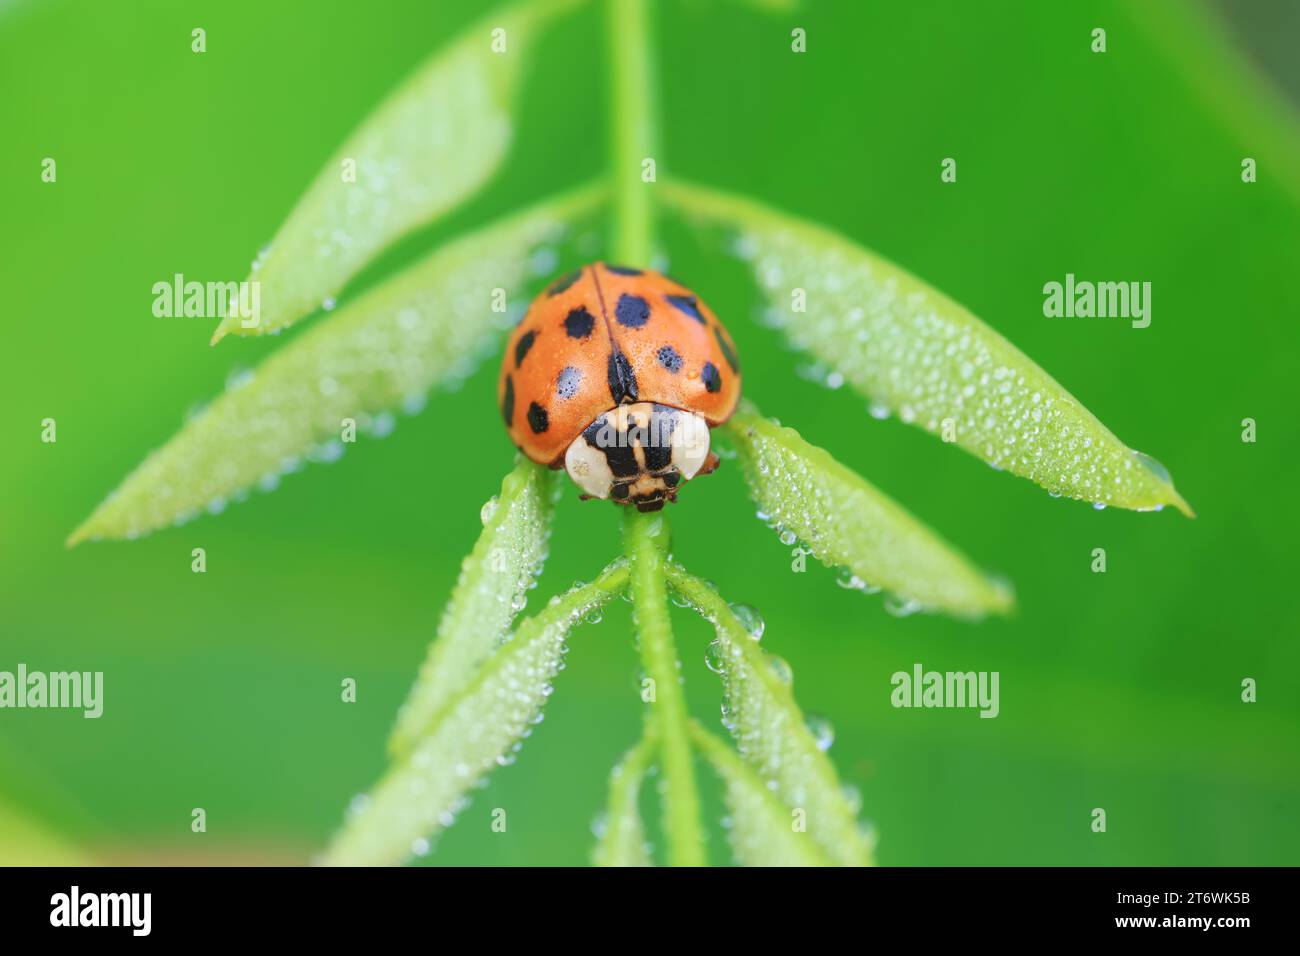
[867,830]
[600,825]
[382,425]
[238,378]
[781,668]
[714,659]
[750,619]
[850,581]
[878,410]
[1098,506]
[901,606]
[593,616]
[328,303]
[822,732]
[853,797]
[420,847]
[543,261]
[788,537]
[1153,466]
[330,451]
[489,509]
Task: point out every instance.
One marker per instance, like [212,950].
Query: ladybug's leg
[710,465]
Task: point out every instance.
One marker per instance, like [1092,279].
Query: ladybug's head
[639,454]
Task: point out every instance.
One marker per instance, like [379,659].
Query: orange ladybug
[617,375]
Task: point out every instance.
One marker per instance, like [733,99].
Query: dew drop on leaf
[713,657]
[901,606]
[749,617]
[822,731]
[781,668]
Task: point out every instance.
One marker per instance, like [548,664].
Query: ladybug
[617,375]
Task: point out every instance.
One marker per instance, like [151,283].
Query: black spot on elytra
[669,359]
[619,491]
[508,402]
[687,304]
[622,380]
[728,352]
[562,283]
[632,311]
[622,270]
[671,479]
[523,345]
[712,377]
[537,418]
[579,323]
[566,386]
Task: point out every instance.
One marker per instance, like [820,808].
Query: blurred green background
[1118,690]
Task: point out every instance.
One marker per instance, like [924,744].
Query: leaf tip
[1003,596]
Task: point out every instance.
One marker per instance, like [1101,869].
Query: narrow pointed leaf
[763,831]
[850,525]
[493,584]
[623,842]
[421,795]
[771,732]
[428,147]
[909,348]
[426,326]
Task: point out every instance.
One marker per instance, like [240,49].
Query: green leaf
[910,348]
[623,842]
[850,525]
[492,589]
[427,148]
[421,794]
[763,830]
[771,732]
[426,326]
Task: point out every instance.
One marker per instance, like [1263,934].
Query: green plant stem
[632,128]
[645,540]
